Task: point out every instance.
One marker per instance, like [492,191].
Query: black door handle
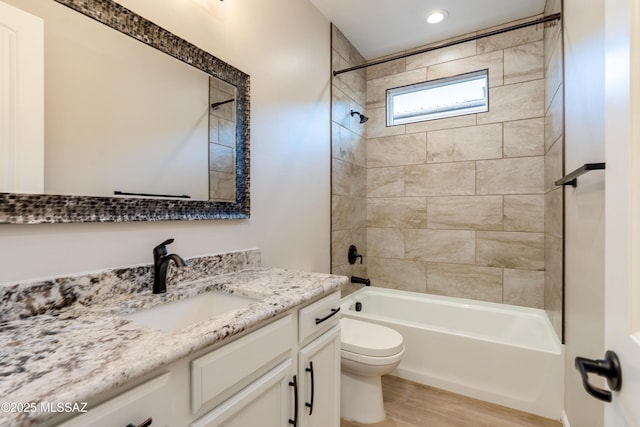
[310,404]
[608,368]
[334,311]
[294,384]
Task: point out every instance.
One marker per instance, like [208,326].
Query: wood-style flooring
[409,404]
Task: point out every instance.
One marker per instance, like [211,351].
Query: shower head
[363,118]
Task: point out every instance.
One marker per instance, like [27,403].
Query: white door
[622,178]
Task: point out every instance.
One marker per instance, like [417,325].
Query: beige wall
[456,206]
[284,45]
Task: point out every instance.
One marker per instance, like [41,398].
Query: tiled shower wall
[348,163]
[453,206]
[456,206]
[553,159]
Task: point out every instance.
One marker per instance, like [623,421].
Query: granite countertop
[80,351]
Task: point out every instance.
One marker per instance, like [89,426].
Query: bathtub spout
[356,279]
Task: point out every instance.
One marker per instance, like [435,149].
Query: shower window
[437,99]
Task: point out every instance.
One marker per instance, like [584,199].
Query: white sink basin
[180,314]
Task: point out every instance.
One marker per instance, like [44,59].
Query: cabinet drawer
[222,372]
[152,399]
[318,317]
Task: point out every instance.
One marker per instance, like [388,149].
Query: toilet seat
[369,339]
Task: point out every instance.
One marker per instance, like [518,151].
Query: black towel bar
[572,178]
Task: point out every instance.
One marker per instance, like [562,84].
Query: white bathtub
[498,353]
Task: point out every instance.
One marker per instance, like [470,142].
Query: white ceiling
[382,27]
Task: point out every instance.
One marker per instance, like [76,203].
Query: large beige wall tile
[553,212]
[353,84]
[524,288]
[510,39]
[397,150]
[554,76]
[450,246]
[522,175]
[343,47]
[514,102]
[348,179]
[376,88]
[465,281]
[438,56]
[340,105]
[553,289]
[554,119]
[465,212]
[386,69]
[492,61]
[222,186]
[554,262]
[385,242]
[468,143]
[385,182]
[398,274]
[524,62]
[441,179]
[348,146]
[553,166]
[397,212]
[348,212]
[377,124]
[222,158]
[524,213]
[524,138]
[342,239]
[439,124]
[510,249]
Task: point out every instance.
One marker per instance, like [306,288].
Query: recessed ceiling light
[437,16]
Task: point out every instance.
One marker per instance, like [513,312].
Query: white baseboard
[565,419]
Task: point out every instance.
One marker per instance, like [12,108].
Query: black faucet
[161,263]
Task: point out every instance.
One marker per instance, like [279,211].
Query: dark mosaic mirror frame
[44,208]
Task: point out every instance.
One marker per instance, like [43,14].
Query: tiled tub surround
[348,158]
[553,166]
[74,353]
[456,206]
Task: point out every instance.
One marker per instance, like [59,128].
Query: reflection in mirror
[123,119]
[222,140]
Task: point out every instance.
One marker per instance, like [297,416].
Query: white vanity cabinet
[313,383]
[284,374]
[248,381]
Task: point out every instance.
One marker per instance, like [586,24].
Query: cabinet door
[319,373]
[267,402]
[151,400]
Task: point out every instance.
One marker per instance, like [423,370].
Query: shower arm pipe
[543,20]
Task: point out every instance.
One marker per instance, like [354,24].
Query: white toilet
[368,352]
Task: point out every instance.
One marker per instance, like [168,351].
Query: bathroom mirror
[139,123]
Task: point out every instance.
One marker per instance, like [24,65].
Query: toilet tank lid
[369,339]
